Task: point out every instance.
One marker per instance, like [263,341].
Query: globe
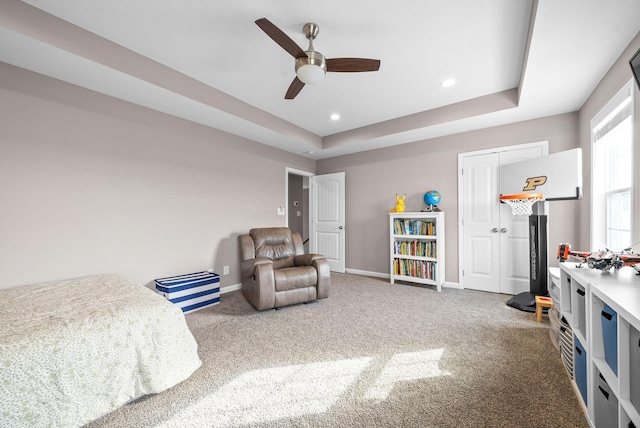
[432,197]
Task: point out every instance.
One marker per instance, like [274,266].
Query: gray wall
[432,164]
[90,184]
[373,178]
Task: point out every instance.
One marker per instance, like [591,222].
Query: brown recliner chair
[276,272]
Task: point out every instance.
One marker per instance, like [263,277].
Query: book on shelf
[415,268]
[416,248]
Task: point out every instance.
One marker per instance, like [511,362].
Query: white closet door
[514,236]
[495,243]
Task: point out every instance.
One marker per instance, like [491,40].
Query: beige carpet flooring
[371,355]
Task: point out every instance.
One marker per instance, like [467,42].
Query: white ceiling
[208,62]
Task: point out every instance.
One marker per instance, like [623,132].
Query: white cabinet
[417,247]
[603,309]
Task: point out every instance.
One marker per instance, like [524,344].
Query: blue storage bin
[609,319]
[580,367]
[192,291]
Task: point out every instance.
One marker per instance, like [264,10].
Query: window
[613,164]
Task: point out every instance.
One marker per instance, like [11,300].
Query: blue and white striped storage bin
[192,291]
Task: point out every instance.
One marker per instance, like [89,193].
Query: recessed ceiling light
[448,83]
[335,116]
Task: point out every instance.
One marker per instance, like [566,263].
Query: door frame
[545,151]
[292,171]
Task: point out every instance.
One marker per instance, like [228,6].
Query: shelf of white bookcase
[415,237]
[415,279]
[410,257]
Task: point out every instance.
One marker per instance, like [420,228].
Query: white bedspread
[72,351]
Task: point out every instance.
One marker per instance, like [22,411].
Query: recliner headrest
[273,242]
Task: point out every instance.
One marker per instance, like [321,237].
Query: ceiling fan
[311,65]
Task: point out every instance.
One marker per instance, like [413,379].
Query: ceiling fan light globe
[310,73]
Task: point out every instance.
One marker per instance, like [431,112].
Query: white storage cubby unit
[603,309]
[417,247]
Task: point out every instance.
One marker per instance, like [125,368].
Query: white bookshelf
[417,248]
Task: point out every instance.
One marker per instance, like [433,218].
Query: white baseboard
[387,276]
[448,284]
[236,287]
[367,273]
[230,288]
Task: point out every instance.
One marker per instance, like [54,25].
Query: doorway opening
[316,209]
[297,203]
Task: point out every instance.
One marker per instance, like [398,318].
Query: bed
[72,351]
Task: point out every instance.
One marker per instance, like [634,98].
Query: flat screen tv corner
[634,62]
[558,177]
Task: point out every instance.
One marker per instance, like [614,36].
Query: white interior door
[327,218]
[514,236]
[494,245]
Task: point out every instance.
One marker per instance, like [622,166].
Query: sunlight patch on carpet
[272,394]
[288,392]
[407,367]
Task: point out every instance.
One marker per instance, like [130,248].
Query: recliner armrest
[307,259]
[248,267]
[258,282]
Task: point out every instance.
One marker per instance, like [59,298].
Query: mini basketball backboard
[557,176]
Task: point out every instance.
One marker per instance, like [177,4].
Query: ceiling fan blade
[295,87]
[281,38]
[347,65]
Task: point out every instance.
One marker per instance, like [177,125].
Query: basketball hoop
[522,203]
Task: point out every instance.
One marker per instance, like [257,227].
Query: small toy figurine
[603,260]
[399,204]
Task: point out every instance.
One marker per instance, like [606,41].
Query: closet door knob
[503,230]
[494,230]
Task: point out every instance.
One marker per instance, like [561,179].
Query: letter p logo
[533,182]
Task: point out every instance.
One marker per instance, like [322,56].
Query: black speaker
[537,266]
[538,255]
